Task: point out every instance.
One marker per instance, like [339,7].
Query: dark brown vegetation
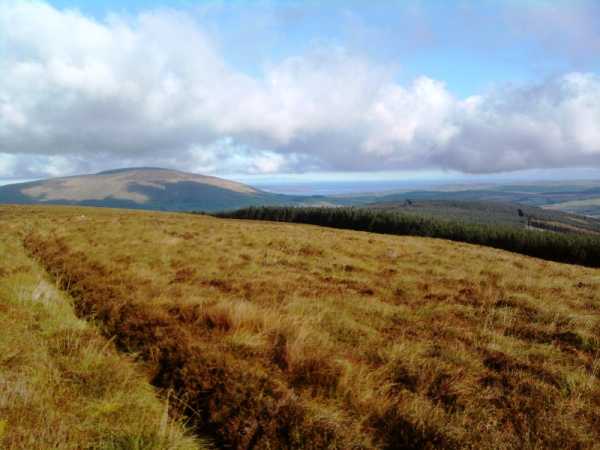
[294,336]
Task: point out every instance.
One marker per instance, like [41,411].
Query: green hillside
[494,213]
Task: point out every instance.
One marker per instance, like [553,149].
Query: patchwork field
[276,335]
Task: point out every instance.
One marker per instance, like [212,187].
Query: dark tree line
[568,248]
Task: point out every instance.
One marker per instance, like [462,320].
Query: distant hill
[581,198]
[142,188]
[493,213]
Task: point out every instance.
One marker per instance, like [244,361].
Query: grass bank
[62,385]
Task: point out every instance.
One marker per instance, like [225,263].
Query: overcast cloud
[78,94]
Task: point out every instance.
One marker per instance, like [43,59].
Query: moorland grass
[276,335]
[548,241]
[62,385]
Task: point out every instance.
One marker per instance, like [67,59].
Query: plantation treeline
[568,248]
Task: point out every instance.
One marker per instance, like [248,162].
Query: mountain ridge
[138,187]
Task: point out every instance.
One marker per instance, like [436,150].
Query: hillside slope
[139,188]
[573,248]
[281,335]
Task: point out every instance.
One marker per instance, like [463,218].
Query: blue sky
[259,88]
[470,45]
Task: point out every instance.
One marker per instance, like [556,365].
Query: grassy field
[276,335]
[62,385]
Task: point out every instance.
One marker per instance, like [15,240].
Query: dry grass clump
[293,336]
[63,386]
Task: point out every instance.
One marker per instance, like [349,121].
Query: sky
[317,90]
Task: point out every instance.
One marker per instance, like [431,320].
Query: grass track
[62,385]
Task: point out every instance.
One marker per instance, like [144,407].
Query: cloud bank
[79,94]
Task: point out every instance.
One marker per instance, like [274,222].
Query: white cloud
[237,158]
[418,117]
[77,94]
[550,124]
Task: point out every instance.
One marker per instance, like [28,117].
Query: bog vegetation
[568,248]
[277,335]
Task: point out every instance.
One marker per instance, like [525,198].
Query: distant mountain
[142,188]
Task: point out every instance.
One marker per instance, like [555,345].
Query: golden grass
[63,386]
[280,335]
